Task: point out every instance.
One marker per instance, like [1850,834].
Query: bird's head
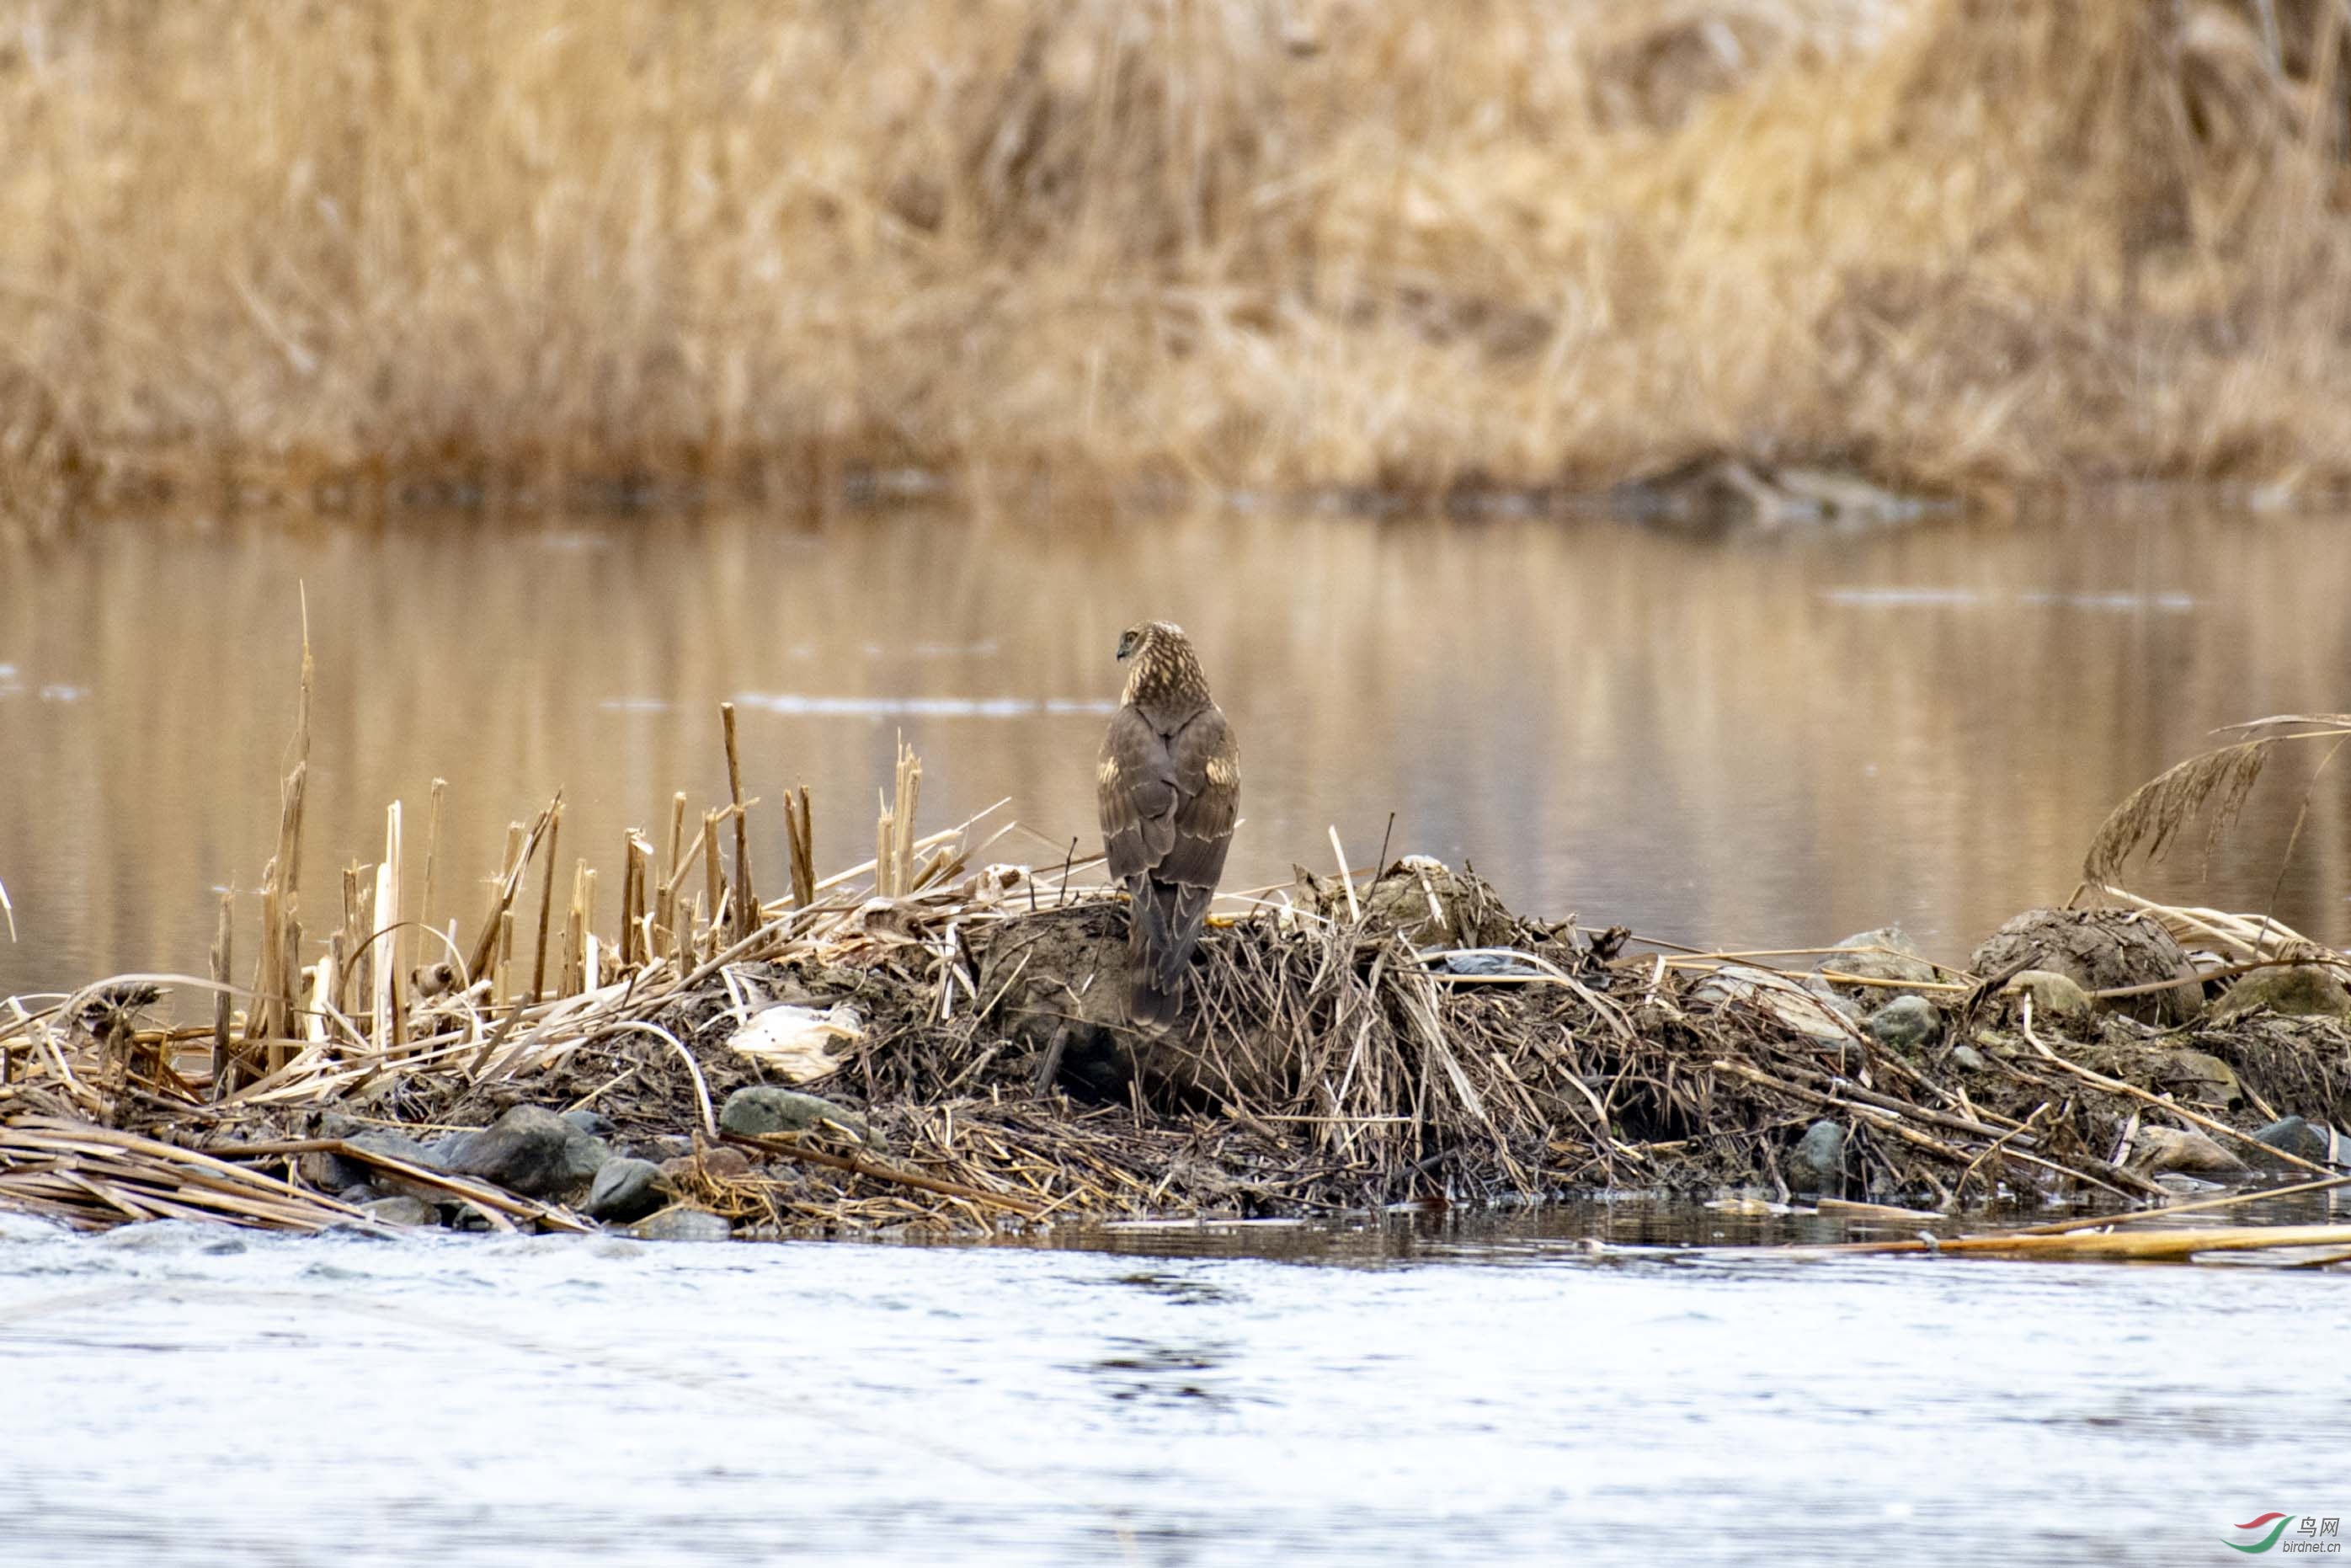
[1141,637]
[1160,662]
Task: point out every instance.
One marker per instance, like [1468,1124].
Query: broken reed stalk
[223,958]
[546,902]
[746,905]
[542,831]
[893,831]
[713,884]
[384,941]
[636,933]
[432,866]
[665,895]
[574,935]
[798,827]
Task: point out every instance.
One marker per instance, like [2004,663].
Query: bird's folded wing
[1209,786]
[1135,792]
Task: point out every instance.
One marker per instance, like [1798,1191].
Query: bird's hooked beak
[1126,647]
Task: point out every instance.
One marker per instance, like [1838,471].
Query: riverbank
[615,255]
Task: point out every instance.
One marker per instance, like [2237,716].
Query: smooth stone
[763,1111]
[392,1146]
[594,1123]
[2161,1151]
[531,1151]
[1903,964]
[625,1190]
[2296,1135]
[1906,1023]
[682,1225]
[403,1210]
[2053,994]
[2295,990]
[724,1163]
[1817,1164]
[2207,1080]
[1969,1057]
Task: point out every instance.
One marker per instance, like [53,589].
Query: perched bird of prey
[1169,789]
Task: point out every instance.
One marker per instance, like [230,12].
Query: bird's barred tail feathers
[1165,929]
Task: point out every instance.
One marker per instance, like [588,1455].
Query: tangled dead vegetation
[920,1042]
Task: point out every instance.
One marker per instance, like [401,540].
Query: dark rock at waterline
[404,1210]
[2293,1136]
[2296,990]
[1886,953]
[338,1172]
[1817,1163]
[1906,1023]
[2099,949]
[529,1150]
[764,1110]
[682,1225]
[626,1190]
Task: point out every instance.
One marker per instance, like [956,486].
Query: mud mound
[2099,949]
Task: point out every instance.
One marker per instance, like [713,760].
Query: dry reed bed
[1358,1040]
[601,250]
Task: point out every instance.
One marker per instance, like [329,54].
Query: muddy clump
[1425,900]
[2099,949]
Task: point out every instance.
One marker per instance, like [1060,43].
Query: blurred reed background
[1974,245]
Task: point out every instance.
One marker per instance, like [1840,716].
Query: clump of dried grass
[474,250]
[2215,784]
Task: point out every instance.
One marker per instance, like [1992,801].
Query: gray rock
[2293,1136]
[682,1225]
[764,1110]
[404,1210]
[1884,954]
[593,1124]
[394,1146]
[531,1151]
[1817,1163]
[2054,996]
[1906,1023]
[625,1190]
[1969,1057]
[2295,990]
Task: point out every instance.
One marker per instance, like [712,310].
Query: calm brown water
[1755,743]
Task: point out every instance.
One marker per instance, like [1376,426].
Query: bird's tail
[1166,927]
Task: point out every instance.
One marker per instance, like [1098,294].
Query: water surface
[212,1398]
[1750,743]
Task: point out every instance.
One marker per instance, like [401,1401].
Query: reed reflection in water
[1757,743]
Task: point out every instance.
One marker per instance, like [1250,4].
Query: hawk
[1169,789]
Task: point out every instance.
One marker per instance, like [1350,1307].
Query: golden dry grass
[1974,244]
